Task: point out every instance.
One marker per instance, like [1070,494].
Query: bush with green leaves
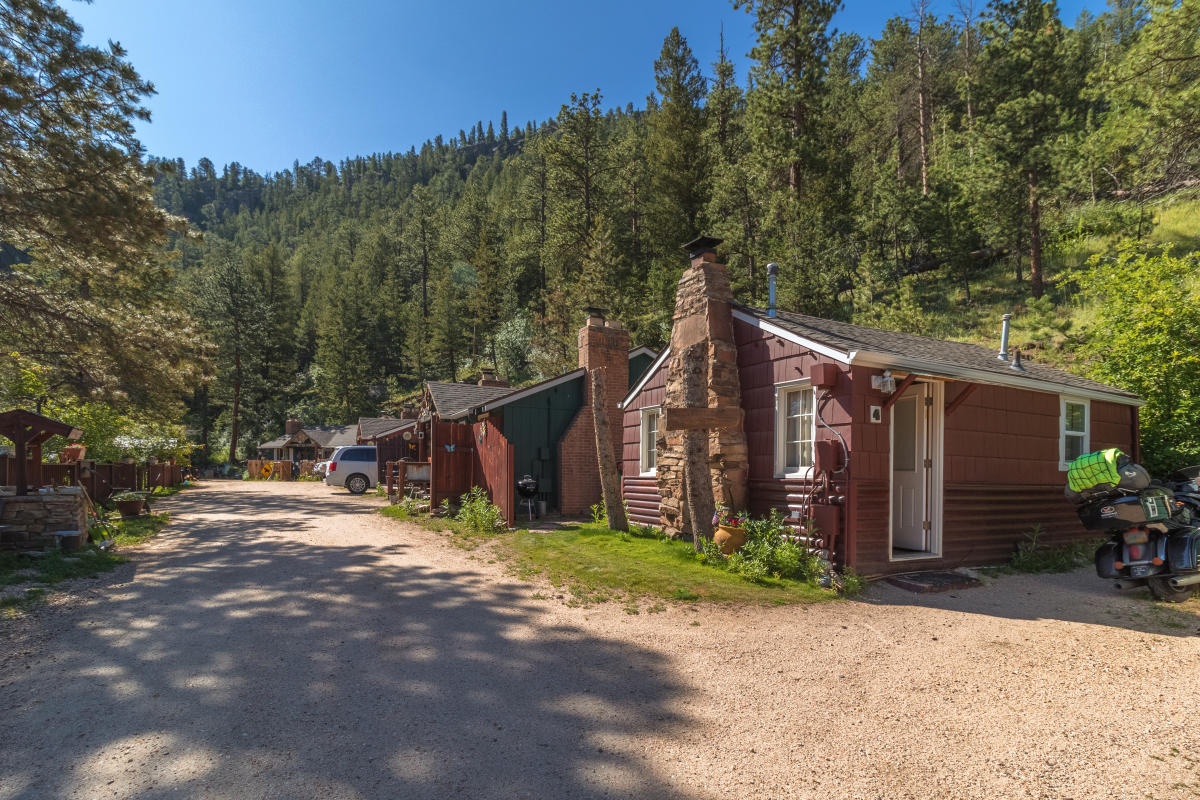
[768,553]
[478,513]
[1145,338]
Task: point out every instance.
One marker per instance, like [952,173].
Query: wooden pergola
[28,432]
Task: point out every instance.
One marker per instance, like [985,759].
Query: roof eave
[646,376]
[520,394]
[933,368]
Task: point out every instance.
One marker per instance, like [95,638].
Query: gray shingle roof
[953,356]
[452,400]
[333,435]
[275,443]
[369,427]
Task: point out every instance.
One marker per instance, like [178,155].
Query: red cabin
[908,453]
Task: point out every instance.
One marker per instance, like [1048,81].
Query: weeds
[478,513]
[1033,555]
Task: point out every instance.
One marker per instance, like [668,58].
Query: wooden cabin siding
[494,454]
[1001,476]
[642,499]
[641,493]
[534,426]
[765,360]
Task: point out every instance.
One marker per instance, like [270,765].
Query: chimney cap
[595,311]
[701,244]
[772,268]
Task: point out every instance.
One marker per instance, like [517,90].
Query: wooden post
[698,500]
[19,477]
[610,482]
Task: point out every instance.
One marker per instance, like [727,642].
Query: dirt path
[283,641]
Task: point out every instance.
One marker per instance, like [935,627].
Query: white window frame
[648,413]
[781,391]
[1063,399]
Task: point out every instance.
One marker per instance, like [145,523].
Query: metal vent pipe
[1003,354]
[772,271]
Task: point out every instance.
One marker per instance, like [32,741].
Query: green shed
[533,420]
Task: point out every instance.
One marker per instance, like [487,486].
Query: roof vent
[1016,364]
[1003,354]
[772,271]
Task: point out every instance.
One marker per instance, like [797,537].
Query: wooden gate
[452,457]
[495,457]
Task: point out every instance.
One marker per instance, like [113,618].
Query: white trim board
[784,333]
[658,362]
[867,358]
[642,350]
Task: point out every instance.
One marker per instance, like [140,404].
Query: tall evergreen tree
[1027,96]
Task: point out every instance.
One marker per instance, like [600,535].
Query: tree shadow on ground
[246,665]
[1077,596]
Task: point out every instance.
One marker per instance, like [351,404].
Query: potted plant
[129,503]
[729,534]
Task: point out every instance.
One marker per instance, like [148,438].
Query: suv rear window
[358,454]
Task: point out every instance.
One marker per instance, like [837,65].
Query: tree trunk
[924,113]
[610,481]
[1036,283]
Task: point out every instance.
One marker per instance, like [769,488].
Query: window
[1074,426]
[793,429]
[649,439]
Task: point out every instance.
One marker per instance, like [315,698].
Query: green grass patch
[138,529]
[593,564]
[461,535]
[49,569]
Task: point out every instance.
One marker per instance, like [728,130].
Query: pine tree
[229,297]
[674,148]
[1026,100]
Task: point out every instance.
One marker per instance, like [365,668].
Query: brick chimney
[292,426]
[487,377]
[703,363]
[606,344]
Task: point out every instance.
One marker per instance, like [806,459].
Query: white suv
[353,467]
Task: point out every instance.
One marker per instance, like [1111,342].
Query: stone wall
[29,520]
[702,372]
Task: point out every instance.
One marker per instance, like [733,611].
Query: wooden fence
[495,457]
[280,470]
[100,480]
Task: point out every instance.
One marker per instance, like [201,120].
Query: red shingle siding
[640,493]
[765,360]
[1001,476]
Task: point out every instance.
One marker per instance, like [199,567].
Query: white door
[910,484]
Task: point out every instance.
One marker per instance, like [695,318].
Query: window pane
[793,456]
[1076,417]
[1074,447]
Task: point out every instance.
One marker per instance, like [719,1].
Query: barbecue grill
[527,488]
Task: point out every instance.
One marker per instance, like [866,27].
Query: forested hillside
[924,179]
[962,149]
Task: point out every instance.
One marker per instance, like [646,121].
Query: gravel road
[283,641]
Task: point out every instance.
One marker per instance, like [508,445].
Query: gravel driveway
[283,641]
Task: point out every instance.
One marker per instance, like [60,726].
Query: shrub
[478,513]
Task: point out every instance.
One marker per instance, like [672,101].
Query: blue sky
[267,82]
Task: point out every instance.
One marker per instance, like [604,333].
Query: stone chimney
[606,345]
[702,372]
[487,377]
[292,426]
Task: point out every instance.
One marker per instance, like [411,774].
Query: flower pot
[130,508]
[729,539]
